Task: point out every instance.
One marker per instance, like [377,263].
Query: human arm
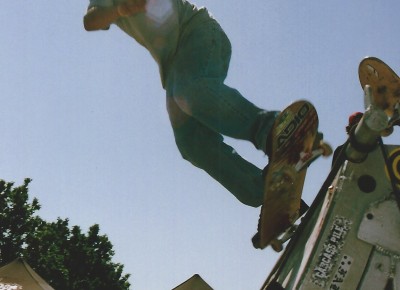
[98,17]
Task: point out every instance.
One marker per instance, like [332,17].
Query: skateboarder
[193,54]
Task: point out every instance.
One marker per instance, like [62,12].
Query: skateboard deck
[293,136]
[385,86]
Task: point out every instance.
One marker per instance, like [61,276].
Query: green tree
[64,256]
[17,220]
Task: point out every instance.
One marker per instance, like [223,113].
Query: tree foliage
[64,256]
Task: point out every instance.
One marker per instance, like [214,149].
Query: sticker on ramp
[394,163]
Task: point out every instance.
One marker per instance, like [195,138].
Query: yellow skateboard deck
[385,85]
[293,136]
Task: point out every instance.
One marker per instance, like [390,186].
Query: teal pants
[202,109]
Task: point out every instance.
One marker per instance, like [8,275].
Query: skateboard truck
[323,149]
[277,244]
[363,139]
[395,119]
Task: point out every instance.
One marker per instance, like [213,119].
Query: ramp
[351,236]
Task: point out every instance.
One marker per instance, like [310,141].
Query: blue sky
[83,115]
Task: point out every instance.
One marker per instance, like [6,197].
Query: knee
[185,139]
[183,143]
[186,130]
[197,143]
[177,116]
[185,95]
[190,93]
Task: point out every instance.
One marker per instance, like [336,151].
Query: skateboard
[294,146]
[385,88]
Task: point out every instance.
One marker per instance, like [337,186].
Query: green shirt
[159,28]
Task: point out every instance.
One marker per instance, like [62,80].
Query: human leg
[196,82]
[201,108]
[205,149]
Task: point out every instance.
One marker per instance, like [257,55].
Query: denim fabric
[202,109]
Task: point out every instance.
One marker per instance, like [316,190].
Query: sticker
[8,286]
[291,127]
[341,273]
[394,163]
[331,250]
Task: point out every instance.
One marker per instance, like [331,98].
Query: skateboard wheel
[326,149]
[256,241]
[276,245]
[387,132]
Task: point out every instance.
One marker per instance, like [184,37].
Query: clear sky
[83,114]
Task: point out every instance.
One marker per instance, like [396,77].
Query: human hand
[131,7]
